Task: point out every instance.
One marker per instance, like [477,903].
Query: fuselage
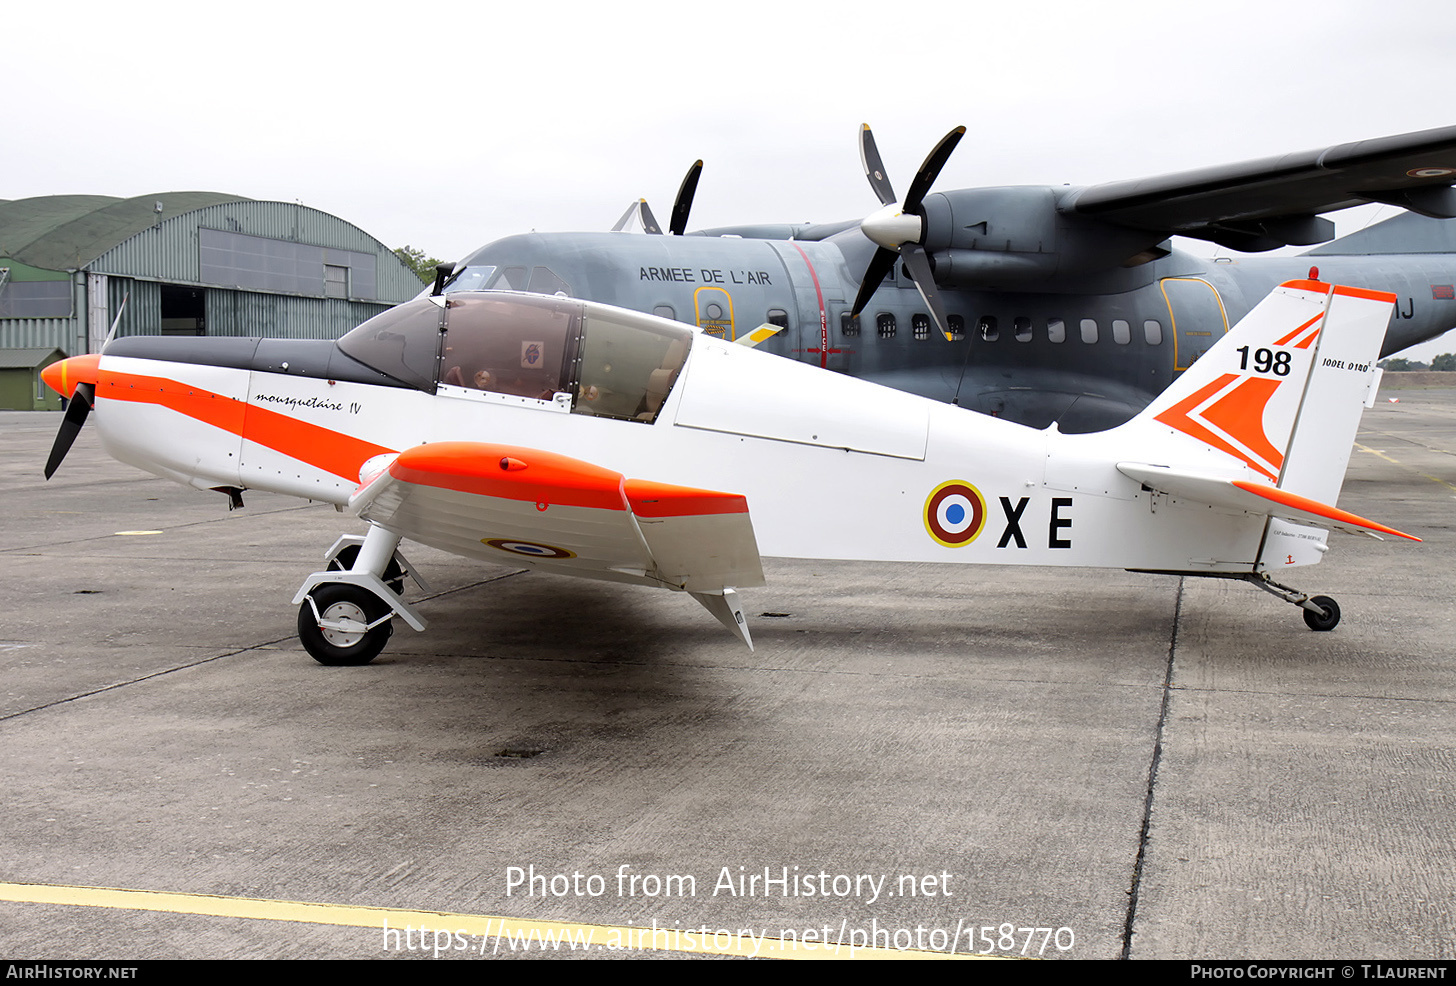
[1086,351]
[832,466]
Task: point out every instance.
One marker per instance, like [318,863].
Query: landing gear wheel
[1326,620]
[339,601]
[344,561]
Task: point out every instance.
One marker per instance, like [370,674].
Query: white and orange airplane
[592,441]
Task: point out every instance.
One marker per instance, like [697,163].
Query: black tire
[1326,620]
[336,600]
[393,574]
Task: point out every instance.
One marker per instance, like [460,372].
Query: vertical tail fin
[1282,392]
[1278,398]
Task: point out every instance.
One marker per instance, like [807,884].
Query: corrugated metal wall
[143,315]
[244,313]
[62,333]
[167,253]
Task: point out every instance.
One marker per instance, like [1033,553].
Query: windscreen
[403,343]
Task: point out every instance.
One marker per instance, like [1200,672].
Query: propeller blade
[684,202]
[115,323]
[930,170]
[880,265]
[649,221]
[918,264]
[76,412]
[874,168]
[627,216]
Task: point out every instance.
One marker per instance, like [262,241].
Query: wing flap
[1254,498]
[699,539]
[561,514]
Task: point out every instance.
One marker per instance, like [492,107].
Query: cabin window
[987,328]
[957,327]
[1089,330]
[503,346]
[509,279]
[776,316]
[470,279]
[1022,325]
[920,326]
[664,311]
[545,281]
[1153,332]
[1056,330]
[1121,331]
[885,325]
[628,365]
[848,325]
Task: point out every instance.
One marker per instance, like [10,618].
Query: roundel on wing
[529,549]
[955,513]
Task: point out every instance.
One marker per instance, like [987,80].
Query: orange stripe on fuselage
[331,451]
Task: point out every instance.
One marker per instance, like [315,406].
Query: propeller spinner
[898,229]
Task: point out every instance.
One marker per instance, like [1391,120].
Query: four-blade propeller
[681,207]
[898,228]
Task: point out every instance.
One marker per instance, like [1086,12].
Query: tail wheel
[1325,620]
[356,608]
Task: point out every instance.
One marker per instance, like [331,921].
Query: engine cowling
[1014,235]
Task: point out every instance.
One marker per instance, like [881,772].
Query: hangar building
[189,263]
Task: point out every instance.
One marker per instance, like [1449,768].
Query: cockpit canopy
[611,363]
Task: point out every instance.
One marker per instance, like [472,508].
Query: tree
[1398,364]
[1446,361]
[415,260]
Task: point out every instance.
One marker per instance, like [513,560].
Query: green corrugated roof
[25,359]
[67,232]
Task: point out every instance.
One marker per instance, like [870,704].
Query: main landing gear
[1320,612]
[346,613]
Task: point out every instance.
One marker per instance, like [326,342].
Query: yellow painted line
[1396,462]
[445,932]
[127,534]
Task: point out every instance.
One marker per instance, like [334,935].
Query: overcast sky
[496,118]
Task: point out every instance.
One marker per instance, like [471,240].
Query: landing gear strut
[345,614]
[1320,612]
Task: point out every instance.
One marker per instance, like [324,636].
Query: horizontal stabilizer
[1254,498]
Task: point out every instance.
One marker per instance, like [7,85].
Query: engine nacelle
[1015,235]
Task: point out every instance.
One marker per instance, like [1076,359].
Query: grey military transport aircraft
[1040,304]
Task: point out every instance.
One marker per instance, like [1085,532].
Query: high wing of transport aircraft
[1035,303]
[608,444]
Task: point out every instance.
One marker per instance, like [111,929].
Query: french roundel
[955,513]
[529,549]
